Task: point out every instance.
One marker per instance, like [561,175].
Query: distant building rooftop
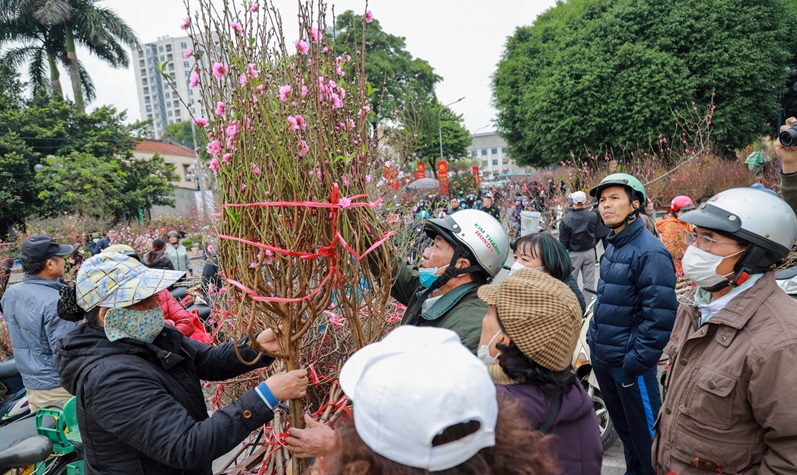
[163,148]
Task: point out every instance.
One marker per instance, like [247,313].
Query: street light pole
[440,125]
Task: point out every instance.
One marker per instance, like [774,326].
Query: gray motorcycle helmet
[480,238]
[759,218]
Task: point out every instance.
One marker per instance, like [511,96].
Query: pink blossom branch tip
[187,53]
[186,23]
[254,8]
[302,46]
[284,91]
[201,122]
[369,16]
[220,70]
[237,27]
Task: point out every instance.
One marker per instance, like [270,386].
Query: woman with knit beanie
[528,338]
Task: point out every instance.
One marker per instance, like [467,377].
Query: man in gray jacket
[31,313]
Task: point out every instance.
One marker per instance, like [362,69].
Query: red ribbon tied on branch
[335,204]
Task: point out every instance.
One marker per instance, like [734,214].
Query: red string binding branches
[335,204]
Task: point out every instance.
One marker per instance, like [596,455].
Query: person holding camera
[786,151]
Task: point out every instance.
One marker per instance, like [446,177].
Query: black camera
[788,138]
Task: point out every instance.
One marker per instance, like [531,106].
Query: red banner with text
[475,171]
[442,176]
[421,170]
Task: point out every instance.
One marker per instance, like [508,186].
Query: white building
[489,150]
[157,99]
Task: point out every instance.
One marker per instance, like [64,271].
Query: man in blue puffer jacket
[633,317]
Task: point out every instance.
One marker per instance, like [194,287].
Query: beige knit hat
[540,314]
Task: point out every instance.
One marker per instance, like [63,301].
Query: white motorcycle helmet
[757,217]
[474,235]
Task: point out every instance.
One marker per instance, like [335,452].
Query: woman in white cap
[528,338]
[140,405]
[423,403]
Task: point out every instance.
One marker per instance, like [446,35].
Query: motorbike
[787,280]
[583,366]
[13,396]
[45,443]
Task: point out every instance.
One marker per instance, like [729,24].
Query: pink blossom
[237,27]
[187,53]
[227,157]
[251,71]
[301,46]
[213,148]
[214,165]
[388,163]
[369,16]
[340,71]
[350,123]
[303,148]
[345,203]
[220,108]
[243,79]
[304,91]
[300,122]
[368,178]
[256,169]
[336,102]
[254,8]
[186,23]
[220,70]
[284,91]
[294,126]
[194,80]
[347,57]
[325,50]
[243,186]
[316,35]
[232,129]
[201,122]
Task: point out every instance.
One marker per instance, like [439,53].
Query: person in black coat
[140,404]
[157,258]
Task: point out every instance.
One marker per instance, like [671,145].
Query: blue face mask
[428,276]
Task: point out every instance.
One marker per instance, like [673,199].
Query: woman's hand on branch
[267,340]
[290,385]
[314,441]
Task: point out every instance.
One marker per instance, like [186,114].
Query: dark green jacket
[788,189]
[459,310]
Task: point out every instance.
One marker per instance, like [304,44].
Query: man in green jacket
[469,249]
[788,172]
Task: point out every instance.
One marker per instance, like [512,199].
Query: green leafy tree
[51,28]
[394,75]
[182,133]
[597,75]
[456,137]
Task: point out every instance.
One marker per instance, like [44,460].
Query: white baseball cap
[579,197]
[411,386]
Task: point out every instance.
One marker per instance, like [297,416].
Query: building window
[484,152]
[183,46]
[143,72]
[149,116]
[168,48]
[170,113]
[185,64]
[140,53]
[149,108]
[473,153]
[169,57]
[494,151]
[176,104]
[168,95]
[160,49]
[171,66]
[495,161]
[178,120]
[141,63]
[144,81]
[146,90]
[177,112]
[186,73]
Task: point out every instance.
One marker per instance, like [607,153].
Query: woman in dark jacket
[545,253]
[528,338]
[140,405]
[157,258]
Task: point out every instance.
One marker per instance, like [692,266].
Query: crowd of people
[478,378]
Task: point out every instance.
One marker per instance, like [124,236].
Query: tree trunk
[74,71]
[55,77]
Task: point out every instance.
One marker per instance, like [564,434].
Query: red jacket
[174,313]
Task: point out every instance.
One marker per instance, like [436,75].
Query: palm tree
[51,28]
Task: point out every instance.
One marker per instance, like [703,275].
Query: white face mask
[517,266]
[484,351]
[701,267]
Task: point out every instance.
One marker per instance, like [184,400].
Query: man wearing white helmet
[468,250]
[577,233]
[733,350]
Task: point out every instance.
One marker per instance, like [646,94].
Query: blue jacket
[635,309]
[31,314]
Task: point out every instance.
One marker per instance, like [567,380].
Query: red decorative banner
[391,177]
[475,171]
[421,170]
[442,176]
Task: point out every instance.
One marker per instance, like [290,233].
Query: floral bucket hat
[115,280]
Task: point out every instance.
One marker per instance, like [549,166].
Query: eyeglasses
[704,242]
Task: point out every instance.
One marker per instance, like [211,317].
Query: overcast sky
[461,39]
